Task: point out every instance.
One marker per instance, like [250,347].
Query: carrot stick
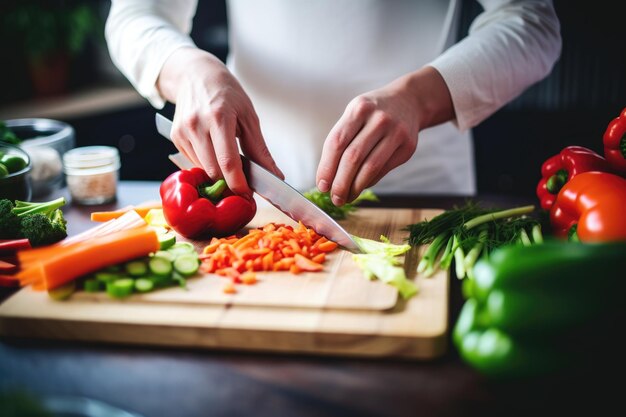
[142,210]
[78,259]
[127,221]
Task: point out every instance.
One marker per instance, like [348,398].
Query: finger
[355,154]
[222,129]
[198,145]
[203,148]
[180,140]
[373,165]
[398,158]
[253,145]
[340,136]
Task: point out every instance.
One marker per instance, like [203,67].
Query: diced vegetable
[121,288]
[274,247]
[62,292]
[187,264]
[165,254]
[136,268]
[180,248]
[160,266]
[167,240]
[92,285]
[104,276]
[144,285]
[380,261]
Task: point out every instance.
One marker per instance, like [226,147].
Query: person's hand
[378,132]
[212,111]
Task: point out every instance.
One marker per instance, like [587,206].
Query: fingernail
[322,186]
[338,201]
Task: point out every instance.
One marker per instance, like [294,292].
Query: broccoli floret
[41,229]
[40,223]
[10,223]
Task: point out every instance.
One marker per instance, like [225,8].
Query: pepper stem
[557,181]
[212,191]
[622,146]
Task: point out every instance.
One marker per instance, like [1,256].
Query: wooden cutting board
[413,329]
[340,285]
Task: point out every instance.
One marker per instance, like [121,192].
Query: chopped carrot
[229,288]
[273,247]
[327,246]
[294,269]
[306,264]
[320,258]
[248,278]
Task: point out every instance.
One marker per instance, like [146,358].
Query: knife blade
[278,193]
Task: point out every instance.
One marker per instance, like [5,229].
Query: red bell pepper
[196,208]
[590,208]
[615,143]
[562,167]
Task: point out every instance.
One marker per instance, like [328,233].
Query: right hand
[212,111]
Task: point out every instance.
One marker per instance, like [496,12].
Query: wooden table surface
[175,382]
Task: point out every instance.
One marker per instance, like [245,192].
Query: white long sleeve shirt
[301,62]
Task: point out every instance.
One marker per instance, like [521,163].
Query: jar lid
[88,157]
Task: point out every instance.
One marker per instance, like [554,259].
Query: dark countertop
[157,382]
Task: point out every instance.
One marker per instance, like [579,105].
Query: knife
[278,193]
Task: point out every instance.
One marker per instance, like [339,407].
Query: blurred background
[55,65]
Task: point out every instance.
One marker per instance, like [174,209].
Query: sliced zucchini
[92,285]
[63,292]
[187,264]
[180,248]
[136,268]
[161,266]
[166,240]
[144,285]
[121,288]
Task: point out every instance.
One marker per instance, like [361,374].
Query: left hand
[377,132]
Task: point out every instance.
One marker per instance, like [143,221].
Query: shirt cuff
[456,72]
[147,83]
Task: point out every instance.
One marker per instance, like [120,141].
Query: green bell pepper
[529,307]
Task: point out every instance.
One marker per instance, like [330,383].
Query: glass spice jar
[91,174]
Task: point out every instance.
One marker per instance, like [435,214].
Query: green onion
[464,234]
